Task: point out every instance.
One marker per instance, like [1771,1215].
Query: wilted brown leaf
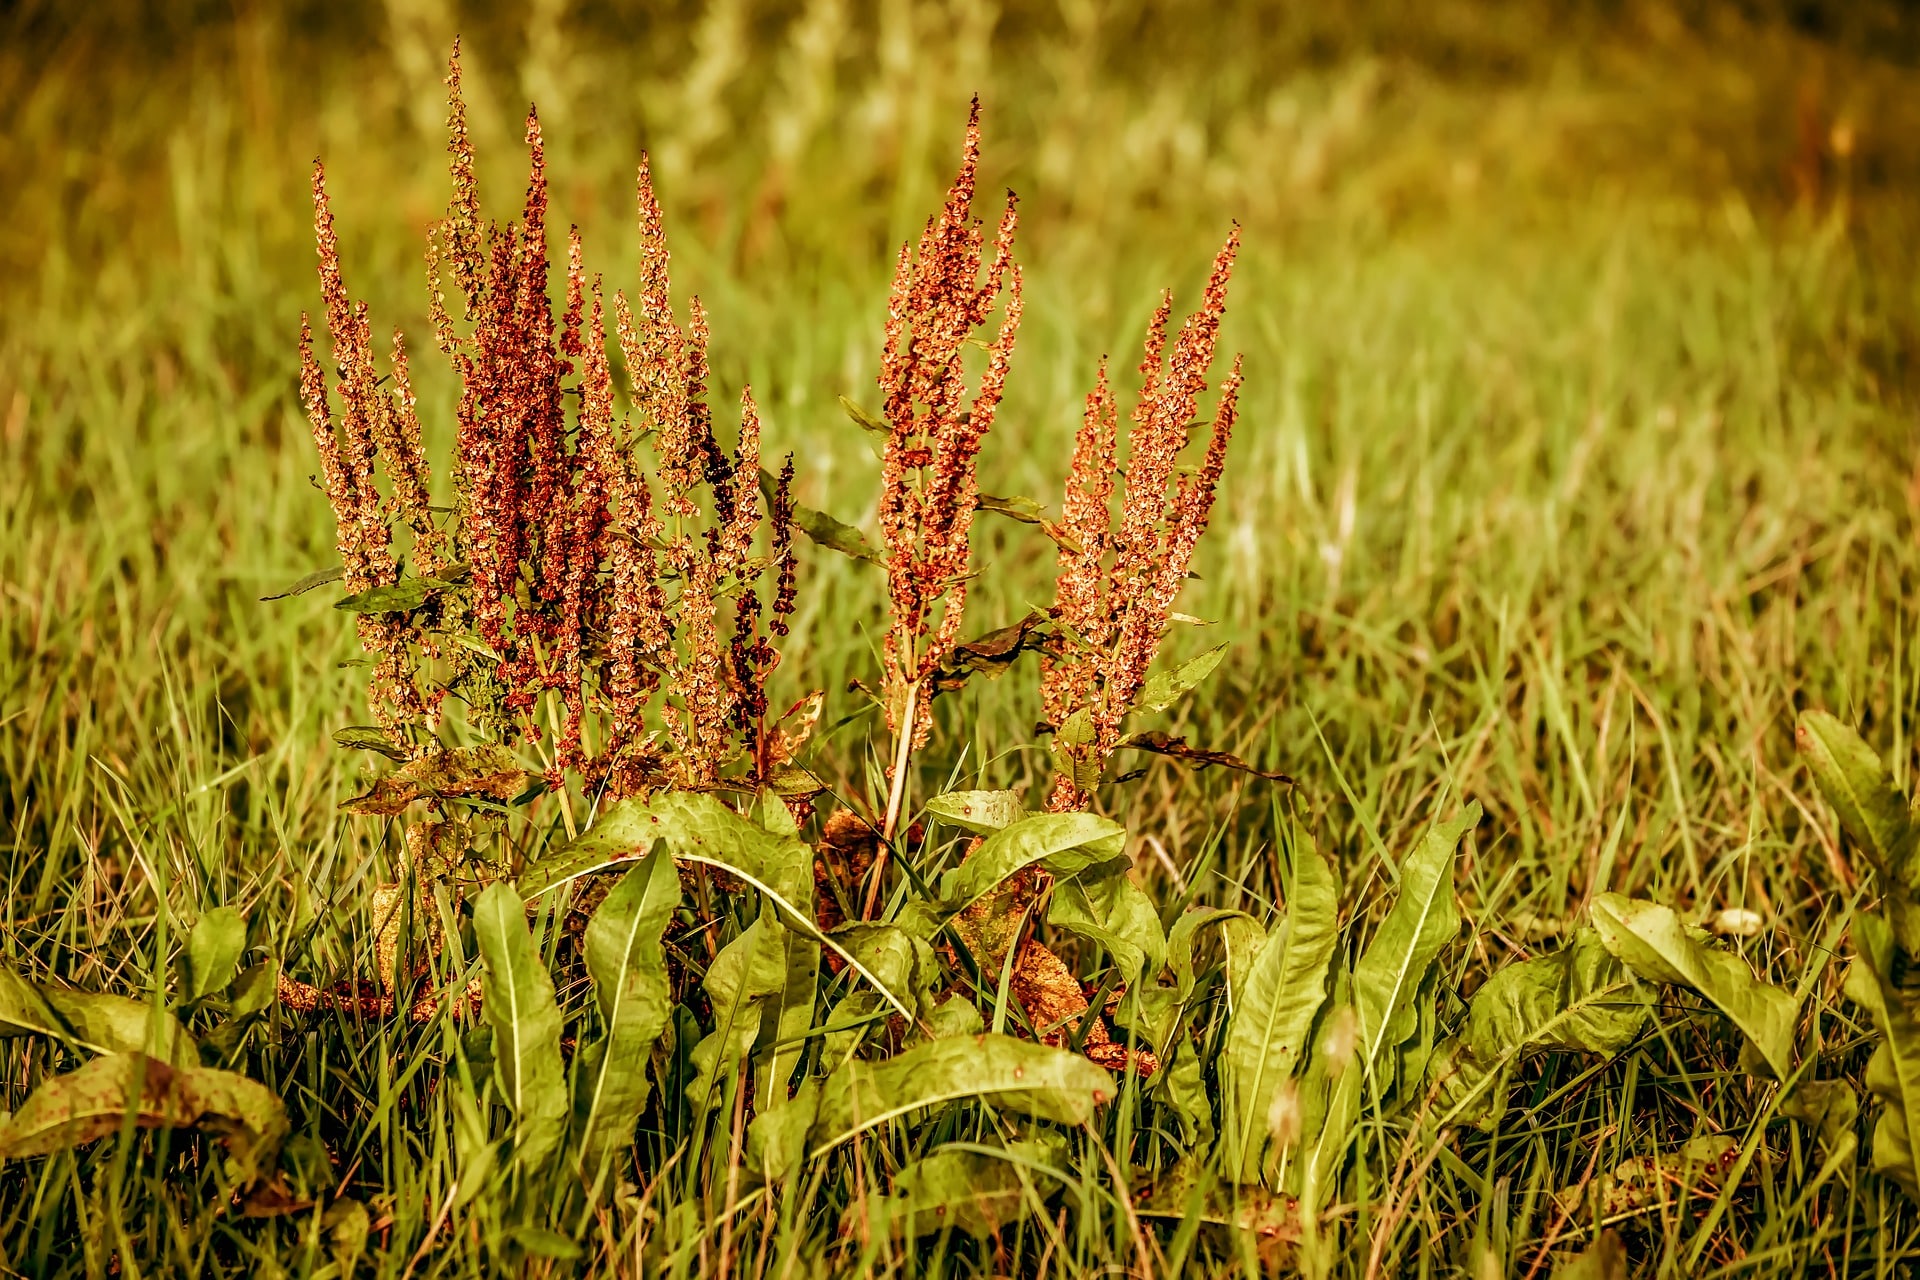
[489,771]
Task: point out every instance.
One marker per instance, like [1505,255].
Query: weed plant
[1426,885]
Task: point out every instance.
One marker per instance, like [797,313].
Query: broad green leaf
[745,981]
[1651,940]
[1168,687]
[976,1189]
[1893,1073]
[319,578]
[1273,1017]
[1064,843]
[981,812]
[904,962]
[98,1099]
[1015,1075]
[212,957]
[696,827]
[489,771]
[1579,999]
[93,1021]
[628,965]
[1422,920]
[1113,912]
[401,597]
[1856,783]
[517,999]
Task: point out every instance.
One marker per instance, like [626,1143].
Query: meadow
[1575,462]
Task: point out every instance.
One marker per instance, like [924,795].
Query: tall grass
[1575,457]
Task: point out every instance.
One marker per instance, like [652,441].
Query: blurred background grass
[1583,344]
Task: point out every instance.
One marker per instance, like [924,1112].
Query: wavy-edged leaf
[1015,1075]
[214,948]
[94,1021]
[489,770]
[628,965]
[981,812]
[1579,999]
[1273,1015]
[517,999]
[306,583]
[1174,747]
[1064,843]
[1893,1073]
[1114,913]
[1651,940]
[696,827]
[1851,775]
[1181,939]
[972,1188]
[1168,687]
[1422,920]
[745,984]
[101,1097]
[400,597]
[994,653]
[826,530]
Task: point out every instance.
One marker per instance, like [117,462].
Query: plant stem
[902,755]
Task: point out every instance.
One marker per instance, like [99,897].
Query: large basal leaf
[1114,913]
[93,1021]
[981,812]
[978,1190]
[488,771]
[101,1097]
[1579,999]
[1014,1075]
[517,998]
[1422,920]
[1856,783]
[1168,687]
[214,948]
[1273,1014]
[696,827]
[1064,843]
[1651,940]
[628,965]
[1893,1073]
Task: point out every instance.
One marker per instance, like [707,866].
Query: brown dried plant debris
[1056,1004]
[938,299]
[1118,579]
[845,854]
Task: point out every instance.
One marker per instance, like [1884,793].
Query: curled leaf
[1176,748]
[98,1099]
[1651,940]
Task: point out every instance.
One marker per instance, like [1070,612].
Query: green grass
[1576,457]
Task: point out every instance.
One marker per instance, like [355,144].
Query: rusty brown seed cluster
[578,602]
[1118,580]
[940,296]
